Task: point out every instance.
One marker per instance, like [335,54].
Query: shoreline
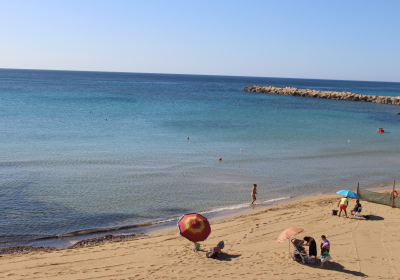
[349,96]
[102,235]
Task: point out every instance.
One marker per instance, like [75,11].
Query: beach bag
[310,260]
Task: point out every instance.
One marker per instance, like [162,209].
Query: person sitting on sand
[312,251]
[214,252]
[343,205]
[357,207]
[253,193]
[325,248]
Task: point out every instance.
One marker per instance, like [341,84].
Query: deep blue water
[87,150]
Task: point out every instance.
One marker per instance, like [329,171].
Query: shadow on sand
[222,256]
[372,218]
[340,268]
[226,257]
[368,218]
[336,267]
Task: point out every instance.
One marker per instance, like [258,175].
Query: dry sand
[359,248]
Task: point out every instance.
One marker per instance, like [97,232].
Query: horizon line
[100,71]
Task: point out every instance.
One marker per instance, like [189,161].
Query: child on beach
[253,193]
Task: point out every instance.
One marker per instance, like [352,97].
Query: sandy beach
[359,248]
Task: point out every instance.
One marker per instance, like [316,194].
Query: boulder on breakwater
[395,100]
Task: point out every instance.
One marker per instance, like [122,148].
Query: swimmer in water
[253,193]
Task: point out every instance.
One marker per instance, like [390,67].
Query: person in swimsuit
[253,193]
[343,205]
[312,251]
[325,248]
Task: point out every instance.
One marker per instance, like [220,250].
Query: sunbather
[216,250]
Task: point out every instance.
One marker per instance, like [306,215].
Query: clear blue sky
[351,40]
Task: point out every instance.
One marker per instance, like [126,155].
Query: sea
[89,153]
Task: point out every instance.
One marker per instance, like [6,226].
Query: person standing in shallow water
[253,193]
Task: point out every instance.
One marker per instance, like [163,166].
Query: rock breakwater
[395,100]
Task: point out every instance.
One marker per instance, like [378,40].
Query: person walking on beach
[253,193]
[343,205]
[325,248]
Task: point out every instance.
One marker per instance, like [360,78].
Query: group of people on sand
[344,202]
[325,245]
[325,248]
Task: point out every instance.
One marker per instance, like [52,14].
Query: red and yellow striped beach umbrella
[288,233]
[194,227]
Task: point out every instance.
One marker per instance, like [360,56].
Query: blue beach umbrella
[348,193]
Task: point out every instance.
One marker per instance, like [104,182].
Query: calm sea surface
[89,150]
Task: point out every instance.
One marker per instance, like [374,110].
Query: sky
[342,40]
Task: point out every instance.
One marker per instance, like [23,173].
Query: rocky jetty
[325,94]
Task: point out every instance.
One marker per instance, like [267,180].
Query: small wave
[143,225]
[277,199]
[226,208]
[100,230]
[243,205]
[166,221]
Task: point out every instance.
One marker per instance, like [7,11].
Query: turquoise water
[88,150]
